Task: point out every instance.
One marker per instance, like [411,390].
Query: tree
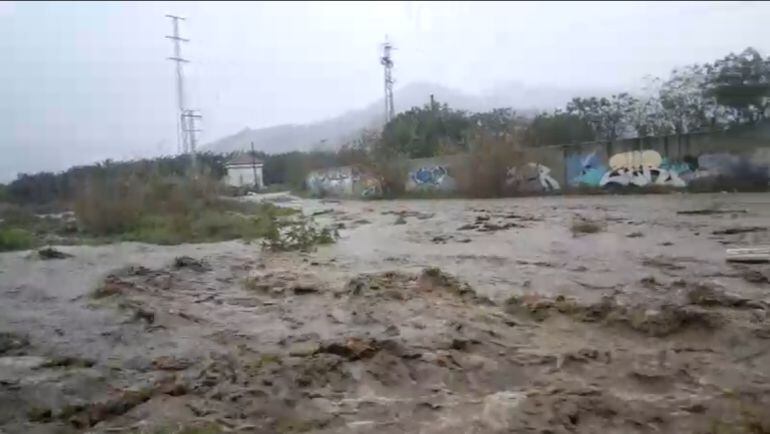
[609,117]
[741,82]
[424,131]
[557,129]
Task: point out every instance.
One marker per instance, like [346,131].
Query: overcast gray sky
[81,82]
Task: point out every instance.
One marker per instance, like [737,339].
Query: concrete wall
[723,159]
[347,181]
[243,176]
[739,157]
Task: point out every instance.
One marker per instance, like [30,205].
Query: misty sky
[81,82]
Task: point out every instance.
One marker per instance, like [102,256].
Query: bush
[484,172]
[170,210]
[301,235]
[15,239]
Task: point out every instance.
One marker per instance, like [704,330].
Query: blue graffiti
[429,175]
[586,170]
[680,168]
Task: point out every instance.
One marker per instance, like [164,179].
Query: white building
[244,171]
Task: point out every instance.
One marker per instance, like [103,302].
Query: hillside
[347,126]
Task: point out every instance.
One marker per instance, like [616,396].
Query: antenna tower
[186,130]
[387,62]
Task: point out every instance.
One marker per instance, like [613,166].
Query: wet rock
[635,235]
[400,220]
[501,410]
[467,227]
[194,264]
[51,253]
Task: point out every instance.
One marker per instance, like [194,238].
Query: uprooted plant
[301,234]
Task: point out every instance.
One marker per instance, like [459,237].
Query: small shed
[244,170]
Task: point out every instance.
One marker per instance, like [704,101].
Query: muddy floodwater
[426,316]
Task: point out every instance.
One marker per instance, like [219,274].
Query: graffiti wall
[431,177]
[648,168]
[585,169]
[736,159]
[343,182]
[531,178]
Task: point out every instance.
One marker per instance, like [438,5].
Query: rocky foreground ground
[426,316]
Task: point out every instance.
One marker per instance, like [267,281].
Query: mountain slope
[336,131]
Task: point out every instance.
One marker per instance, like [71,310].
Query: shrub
[169,210]
[300,235]
[484,172]
[15,239]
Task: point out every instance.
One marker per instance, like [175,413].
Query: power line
[387,62]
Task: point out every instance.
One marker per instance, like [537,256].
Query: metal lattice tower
[186,130]
[387,63]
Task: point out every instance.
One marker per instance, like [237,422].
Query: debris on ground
[583,225]
[756,255]
[711,211]
[739,230]
[194,264]
[51,253]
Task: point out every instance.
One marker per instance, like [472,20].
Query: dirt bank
[426,316]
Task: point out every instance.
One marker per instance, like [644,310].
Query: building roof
[245,159]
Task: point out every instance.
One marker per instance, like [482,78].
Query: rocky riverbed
[427,316]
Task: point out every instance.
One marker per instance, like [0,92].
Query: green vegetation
[15,239]
[170,210]
[205,428]
[300,235]
[150,208]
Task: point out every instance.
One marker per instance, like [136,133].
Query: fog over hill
[333,132]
